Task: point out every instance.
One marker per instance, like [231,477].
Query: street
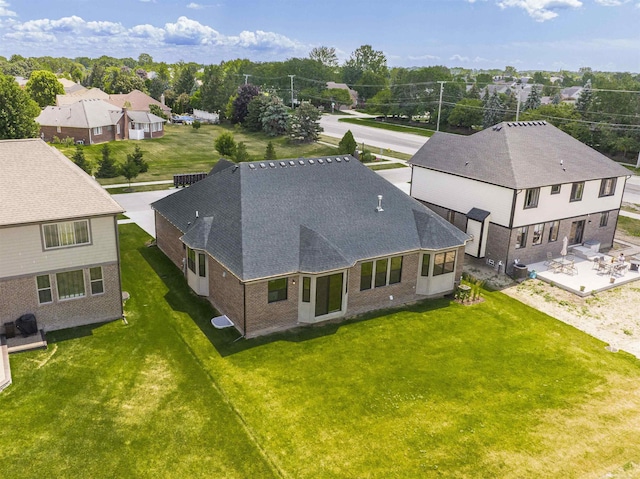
[373,138]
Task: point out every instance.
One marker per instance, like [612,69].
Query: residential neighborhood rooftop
[81,114]
[526,154]
[270,218]
[47,186]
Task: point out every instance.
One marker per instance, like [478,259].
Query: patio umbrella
[565,244]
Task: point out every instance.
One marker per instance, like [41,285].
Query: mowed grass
[184,149]
[435,390]
[630,226]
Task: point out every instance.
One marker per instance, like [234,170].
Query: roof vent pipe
[379,207]
[197,215]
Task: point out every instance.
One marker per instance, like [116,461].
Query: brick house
[274,245]
[59,256]
[519,188]
[86,121]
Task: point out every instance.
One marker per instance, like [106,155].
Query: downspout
[244,315]
[115,224]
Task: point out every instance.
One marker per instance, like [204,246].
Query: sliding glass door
[328,294]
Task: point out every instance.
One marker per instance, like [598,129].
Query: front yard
[437,390]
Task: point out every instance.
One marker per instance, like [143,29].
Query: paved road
[632,190]
[376,137]
[138,209]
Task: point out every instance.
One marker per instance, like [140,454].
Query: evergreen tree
[347,144]
[241,153]
[137,157]
[79,159]
[533,100]
[107,165]
[494,111]
[270,152]
[556,99]
[304,124]
[583,103]
[255,109]
[274,118]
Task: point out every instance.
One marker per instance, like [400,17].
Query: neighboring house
[143,125]
[273,245]
[86,121]
[137,101]
[343,86]
[70,86]
[519,189]
[86,94]
[59,256]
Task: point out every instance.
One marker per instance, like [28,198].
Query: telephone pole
[246,78]
[440,104]
[291,76]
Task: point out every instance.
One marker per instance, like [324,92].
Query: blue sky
[480,34]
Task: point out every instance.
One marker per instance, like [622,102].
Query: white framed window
[43,285]
[531,198]
[58,129]
[576,191]
[608,187]
[444,263]
[70,284]
[146,127]
[555,189]
[97,130]
[69,233]
[118,128]
[97,282]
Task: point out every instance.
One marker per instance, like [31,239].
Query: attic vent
[509,125]
[253,167]
[499,128]
[379,207]
[272,164]
[283,164]
[262,165]
[292,163]
[320,161]
[311,162]
[301,162]
[328,160]
[346,158]
[338,160]
[544,122]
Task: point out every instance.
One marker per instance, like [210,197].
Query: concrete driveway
[138,209]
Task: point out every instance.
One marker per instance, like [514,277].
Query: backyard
[436,390]
[184,149]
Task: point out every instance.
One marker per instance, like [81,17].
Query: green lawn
[388,126]
[184,149]
[395,154]
[386,166]
[436,390]
[630,226]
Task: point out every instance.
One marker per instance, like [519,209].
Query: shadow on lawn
[229,341]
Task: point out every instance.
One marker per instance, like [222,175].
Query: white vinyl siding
[23,253]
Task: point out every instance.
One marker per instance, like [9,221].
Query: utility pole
[291,76]
[246,78]
[440,104]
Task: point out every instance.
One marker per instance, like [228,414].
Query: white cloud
[4,11]
[424,57]
[190,32]
[541,10]
[459,58]
[195,6]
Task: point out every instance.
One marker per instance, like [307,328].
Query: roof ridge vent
[283,164]
[320,161]
[272,164]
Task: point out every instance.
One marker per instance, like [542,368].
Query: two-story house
[276,244]
[59,257]
[519,188]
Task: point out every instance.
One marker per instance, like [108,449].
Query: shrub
[196,124]
[226,145]
[241,153]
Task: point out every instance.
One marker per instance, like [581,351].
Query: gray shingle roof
[522,155]
[308,215]
[81,114]
[144,117]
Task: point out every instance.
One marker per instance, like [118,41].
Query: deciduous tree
[17,111]
[225,145]
[43,86]
[241,102]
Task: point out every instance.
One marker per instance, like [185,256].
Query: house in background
[85,94]
[519,188]
[59,256]
[343,86]
[86,121]
[142,125]
[138,101]
[276,244]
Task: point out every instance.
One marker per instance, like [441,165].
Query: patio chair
[549,258]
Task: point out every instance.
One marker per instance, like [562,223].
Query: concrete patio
[584,279]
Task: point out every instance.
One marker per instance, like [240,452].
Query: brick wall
[226,293]
[263,317]
[80,134]
[168,240]
[19,296]
[377,298]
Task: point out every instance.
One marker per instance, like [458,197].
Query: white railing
[136,134]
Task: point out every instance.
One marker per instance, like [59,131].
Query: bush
[241,153]
[196,124]
[226,145]
[348,144]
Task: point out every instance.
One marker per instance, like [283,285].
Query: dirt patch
[610,316]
